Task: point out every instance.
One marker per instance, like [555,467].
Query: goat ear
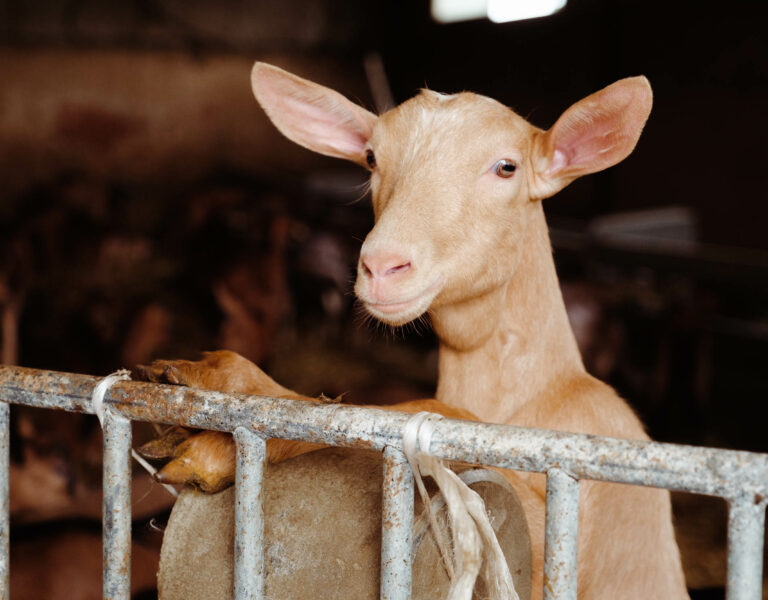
[593,134]
[311,115]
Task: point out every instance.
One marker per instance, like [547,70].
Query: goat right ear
[311,115]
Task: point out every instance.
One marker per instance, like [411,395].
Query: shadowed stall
[150,210]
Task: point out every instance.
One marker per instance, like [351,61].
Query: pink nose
[383,264]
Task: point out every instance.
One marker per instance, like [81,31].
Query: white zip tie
[97,402]
[417,434]
[471,527]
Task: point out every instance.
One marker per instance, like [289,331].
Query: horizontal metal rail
[724,473]
[739,477]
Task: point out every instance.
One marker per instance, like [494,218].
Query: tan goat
[460,234]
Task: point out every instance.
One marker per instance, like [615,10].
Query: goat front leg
[207,459]
[222,371]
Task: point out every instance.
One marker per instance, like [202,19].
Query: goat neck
[500,350]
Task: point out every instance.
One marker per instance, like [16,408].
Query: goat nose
[384,264]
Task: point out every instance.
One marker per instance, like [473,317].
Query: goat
[457,183]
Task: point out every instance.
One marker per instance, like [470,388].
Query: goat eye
[505,168]
[370,158]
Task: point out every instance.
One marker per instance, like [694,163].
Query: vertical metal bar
[561,536]
[5,439]
[249,515]
[116,507]
[396,526]
[746,528]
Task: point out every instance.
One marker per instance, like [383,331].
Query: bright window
[498,11]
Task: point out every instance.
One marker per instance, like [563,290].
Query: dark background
[149,210]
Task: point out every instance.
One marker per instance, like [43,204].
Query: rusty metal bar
[116,507]
[561,533]
[396,526]
[724,473]
[249,515]
[746,526]
[5,501]
[741,477]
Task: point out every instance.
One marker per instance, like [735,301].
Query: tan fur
[207,459]
[472,248]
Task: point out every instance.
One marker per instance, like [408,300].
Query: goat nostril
[383,264]
[398,269]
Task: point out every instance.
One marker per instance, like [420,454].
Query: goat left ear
[593,134]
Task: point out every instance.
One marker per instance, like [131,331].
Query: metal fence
[741,478]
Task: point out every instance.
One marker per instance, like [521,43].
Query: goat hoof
[166,445]
[205,460]
[174,372]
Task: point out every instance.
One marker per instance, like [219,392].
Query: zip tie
[470,525]
[97,398]
[97,403]
[417,434]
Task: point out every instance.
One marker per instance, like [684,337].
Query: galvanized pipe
[724,473]
[396,526]
[561,533]
[249,515]
[729,474]
[116,507]
[746,526]
[5,503]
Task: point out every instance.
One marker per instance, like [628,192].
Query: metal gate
[741,478]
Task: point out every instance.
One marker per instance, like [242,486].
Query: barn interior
[150,210]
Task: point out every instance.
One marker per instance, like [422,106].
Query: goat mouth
[390,308]
[400,312]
